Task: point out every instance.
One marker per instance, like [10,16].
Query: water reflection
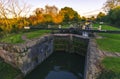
[60,65]
[60,75]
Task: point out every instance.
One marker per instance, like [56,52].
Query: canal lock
[68,60]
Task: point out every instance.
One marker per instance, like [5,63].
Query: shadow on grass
[108,75]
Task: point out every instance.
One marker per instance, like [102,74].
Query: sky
[83,7]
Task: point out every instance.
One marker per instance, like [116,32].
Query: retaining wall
[28,55]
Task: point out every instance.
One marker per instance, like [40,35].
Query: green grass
[13,38]
[7,72]
[66,26]
[111,68]
[109,42]
[112,64]
[17,38]
[105,27]
[34,34]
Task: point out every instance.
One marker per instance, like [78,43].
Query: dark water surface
[60,65]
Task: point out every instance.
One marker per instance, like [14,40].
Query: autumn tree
[48,15]
[39,11]
[47,18]
[38,17]
[3,14]
[52,10]
[58,19]
[12,9]
[51,13]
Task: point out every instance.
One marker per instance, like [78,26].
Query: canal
[60,65]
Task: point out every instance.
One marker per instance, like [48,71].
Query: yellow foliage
[58,19]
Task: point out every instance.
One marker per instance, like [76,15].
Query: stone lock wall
[71,43]
[28,55]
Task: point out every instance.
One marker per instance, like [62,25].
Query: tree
[39,11]
[92,18]
[69,14]
[47,15]
[110,4]
[51,15]
[100,16]
[58,19]
[12,9]
[47,18]
[52,10]
[83,18]
[4,12]
[114,16]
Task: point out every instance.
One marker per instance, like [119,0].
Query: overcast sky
[81,6]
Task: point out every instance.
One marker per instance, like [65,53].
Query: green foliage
[111,69]
[111,4]
[100,16]
[7,72]
[69,14]
[84,18]
[1,29]
[114,16]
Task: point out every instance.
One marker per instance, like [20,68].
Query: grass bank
[7,71]
[12,38]
[109,42]
[105,27]
[111,68]
[38,33]
[17,38]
